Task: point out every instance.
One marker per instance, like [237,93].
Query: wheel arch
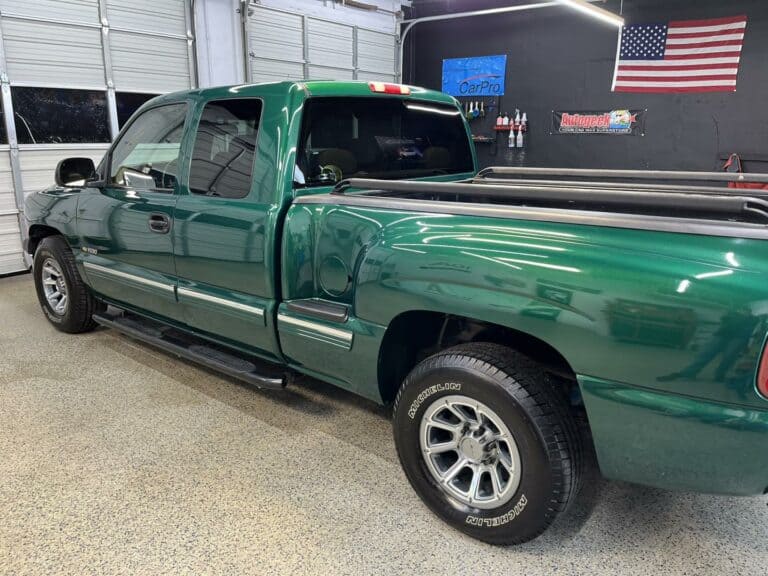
[36,234]
[413,335]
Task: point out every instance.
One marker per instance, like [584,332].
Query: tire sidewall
[526,513]
[43,253]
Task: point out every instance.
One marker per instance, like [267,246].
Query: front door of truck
[125,226]
[219,229]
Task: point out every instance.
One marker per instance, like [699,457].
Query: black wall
[558,59]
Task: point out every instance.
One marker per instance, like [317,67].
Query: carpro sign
[479,76]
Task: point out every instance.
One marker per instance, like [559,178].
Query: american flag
[680,56]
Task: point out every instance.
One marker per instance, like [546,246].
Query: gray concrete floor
[118,459]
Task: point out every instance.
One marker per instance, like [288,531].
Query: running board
[246,368]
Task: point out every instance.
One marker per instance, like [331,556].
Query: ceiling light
[595,12]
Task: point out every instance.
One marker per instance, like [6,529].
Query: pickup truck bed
[629,285]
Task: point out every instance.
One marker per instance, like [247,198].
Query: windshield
[379,138]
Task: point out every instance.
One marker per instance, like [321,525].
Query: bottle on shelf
[520,141]
[482,109]
[511,139]
[517,120]
[476,111]
[505,120]
[524,122]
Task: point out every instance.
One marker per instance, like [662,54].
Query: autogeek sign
[480,76]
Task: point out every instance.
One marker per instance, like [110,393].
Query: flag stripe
[730,28]
[707,22]
[703,43]
[712,36]
[699,80]
[663,70]
[680,84]
[688,63]
[672,89]
[706,29]
[677,73]
[698,51]
[678,57]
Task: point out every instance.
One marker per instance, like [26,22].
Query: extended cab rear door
[219,228]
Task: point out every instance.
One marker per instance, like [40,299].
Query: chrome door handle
[159,223]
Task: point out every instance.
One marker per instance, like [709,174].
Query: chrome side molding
[105,270]
[336,336]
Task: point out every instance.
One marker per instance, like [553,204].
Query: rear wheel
[64,297]
[488,442]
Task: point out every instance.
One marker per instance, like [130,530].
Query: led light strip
[595,12]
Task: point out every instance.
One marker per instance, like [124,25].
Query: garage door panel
[7,197]
[375,76]
[269,71]
[328,73]
[276,35]
[330,44]
[38,165]
[11,256]
[375,52]
[149,63]
[46,54]
[158,16]
[86,11]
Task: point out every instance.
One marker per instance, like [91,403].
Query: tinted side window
[225,145]
[58,115]
[147,155]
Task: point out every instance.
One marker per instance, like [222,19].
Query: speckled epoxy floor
[118,459]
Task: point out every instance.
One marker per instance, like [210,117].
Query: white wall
[382,20]
[219,36]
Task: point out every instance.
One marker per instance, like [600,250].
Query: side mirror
[74,171]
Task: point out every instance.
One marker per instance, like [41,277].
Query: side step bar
[248,369]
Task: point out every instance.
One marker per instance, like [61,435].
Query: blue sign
[480,76]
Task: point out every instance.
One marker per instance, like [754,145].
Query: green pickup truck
[514,318]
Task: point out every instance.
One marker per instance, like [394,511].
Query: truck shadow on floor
[618,512]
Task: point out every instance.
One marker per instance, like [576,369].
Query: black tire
[536,413]
[78,316]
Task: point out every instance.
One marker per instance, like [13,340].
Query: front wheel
[487,442]
[64,297]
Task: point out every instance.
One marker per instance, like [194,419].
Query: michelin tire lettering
[516,510]
[444,387]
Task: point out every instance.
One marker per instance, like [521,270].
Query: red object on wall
[734,165]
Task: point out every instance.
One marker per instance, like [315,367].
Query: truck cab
[181,219]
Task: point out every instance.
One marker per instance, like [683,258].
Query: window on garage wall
[3,135]
[128,103]
[60,116]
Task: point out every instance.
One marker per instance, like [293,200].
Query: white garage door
[71,72]
[285,45]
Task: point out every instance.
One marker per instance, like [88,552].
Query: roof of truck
[349,88]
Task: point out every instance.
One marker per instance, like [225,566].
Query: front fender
[53,209]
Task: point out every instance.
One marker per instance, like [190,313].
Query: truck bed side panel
[625,305]
[663,330]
